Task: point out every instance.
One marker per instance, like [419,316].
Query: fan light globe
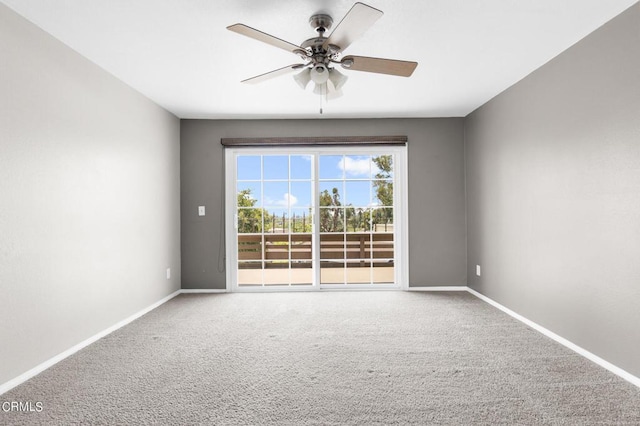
[332,92]
[303,78]
[338,79]
[319,74]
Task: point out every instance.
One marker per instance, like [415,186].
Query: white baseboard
[579,350]
[5,387]
[440,288]
[201,290]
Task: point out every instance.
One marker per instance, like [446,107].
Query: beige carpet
[327,358]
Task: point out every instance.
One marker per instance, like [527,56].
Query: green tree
[383,185]
[249,217]
[359,219]
[331,219]
[302,223]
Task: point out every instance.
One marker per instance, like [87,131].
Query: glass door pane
[383,253]
[274,226]
[356,206]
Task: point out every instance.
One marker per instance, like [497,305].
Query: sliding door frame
[400,203]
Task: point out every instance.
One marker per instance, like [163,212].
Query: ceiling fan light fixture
[303,78]
[337,78]
[321,54]
[319,74]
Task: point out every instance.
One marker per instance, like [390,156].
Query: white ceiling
[179,53]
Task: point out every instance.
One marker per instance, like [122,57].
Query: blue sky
[351,174]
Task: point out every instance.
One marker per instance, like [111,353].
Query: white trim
[579,350]
[276,289]
[439,288]
[229,219]
[309,288]
[202,290]
[359,287]
[315,227]
[401,204]
[5,387]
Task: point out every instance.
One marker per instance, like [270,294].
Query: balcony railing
[284,250]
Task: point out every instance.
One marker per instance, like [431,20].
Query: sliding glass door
[356,219]
[274,210]
[314,218]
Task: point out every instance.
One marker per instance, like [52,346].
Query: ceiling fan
[319,54]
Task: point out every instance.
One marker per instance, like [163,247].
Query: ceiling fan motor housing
[318,54]
[320,68]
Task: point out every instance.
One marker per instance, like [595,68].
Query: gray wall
[553,184]
[437,242]
[89,198]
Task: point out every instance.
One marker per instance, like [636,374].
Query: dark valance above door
[314,141]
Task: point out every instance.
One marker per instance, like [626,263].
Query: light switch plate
[200,210]
[478,270]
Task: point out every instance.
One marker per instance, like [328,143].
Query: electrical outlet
[168,273]
[200,210]
[478,270]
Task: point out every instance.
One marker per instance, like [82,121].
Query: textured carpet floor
[326,358]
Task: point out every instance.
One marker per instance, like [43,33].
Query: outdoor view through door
[314,219]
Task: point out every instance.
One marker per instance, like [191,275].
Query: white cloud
[357,166]
[290,199]
[286,201]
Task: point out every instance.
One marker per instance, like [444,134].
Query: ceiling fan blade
[263,37]
[379,65]
[272,74]
[353,25]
